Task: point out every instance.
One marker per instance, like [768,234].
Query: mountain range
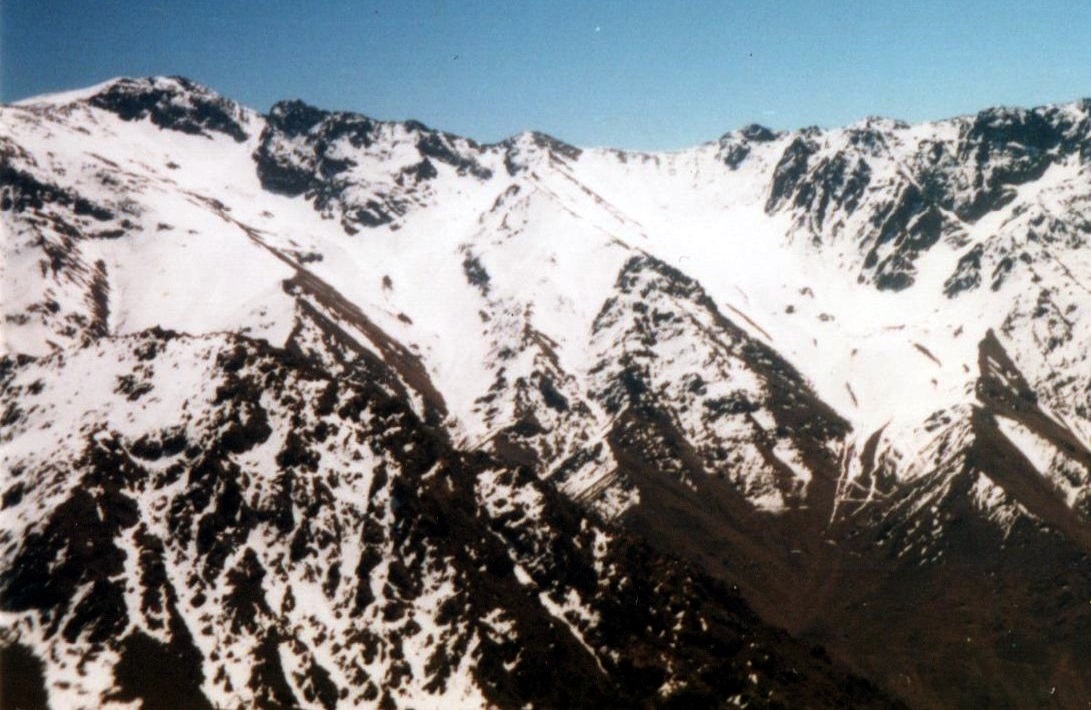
[309,409]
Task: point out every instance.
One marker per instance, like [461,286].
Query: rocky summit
[310,409]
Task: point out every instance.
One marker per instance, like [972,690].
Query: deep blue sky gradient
[633,74]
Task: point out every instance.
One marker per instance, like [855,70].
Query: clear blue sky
[630,74]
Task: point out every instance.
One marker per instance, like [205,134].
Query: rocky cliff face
[316,409]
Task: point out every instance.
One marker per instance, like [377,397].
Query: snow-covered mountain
[299,408]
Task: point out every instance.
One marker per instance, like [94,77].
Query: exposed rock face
[307,151]
[173,103]
[898,190]
[312,409]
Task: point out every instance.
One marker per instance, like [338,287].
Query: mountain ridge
[751,131]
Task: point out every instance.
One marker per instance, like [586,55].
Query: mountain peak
[175,103]
[295,117]
[757,133]
[174,84]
